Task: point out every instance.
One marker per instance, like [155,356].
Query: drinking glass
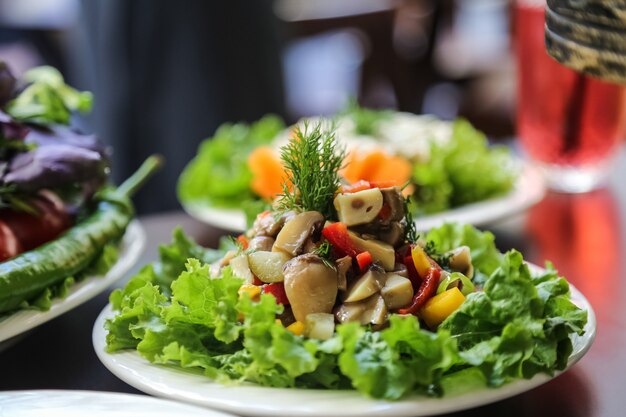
[568,123]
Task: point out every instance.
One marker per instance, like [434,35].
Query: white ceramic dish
[252,400]
[53,403]
[528,190]
[131,247]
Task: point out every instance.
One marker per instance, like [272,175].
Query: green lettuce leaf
[485,256]
[464,170]
[519,325]
[219,174]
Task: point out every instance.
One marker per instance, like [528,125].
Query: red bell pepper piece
[277,289]
[256,281]
[412,271]
[337,235]
[356,187]
[383,184]
[364,259]
[427,289]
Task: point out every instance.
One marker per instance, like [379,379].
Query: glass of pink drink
[570,124]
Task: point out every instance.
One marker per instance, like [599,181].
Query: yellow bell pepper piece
[296,328]
[253,291]
[420,260]
[438,308]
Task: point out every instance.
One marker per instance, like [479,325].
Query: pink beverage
[569,123]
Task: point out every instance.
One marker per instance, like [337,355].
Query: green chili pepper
[27,275]
[456,279]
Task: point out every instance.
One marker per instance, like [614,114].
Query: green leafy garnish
[47,99]
[312,160]
[462,171]
[219,174]
[366,121]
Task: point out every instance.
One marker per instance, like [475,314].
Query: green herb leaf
[312,160]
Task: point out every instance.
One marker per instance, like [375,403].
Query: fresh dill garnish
[312,160]
[410,231]
[442,259]
[324,251]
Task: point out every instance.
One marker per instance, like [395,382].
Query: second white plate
[21,321]
[254,400]
[59,403]
[528,190]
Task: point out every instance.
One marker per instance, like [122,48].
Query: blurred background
[166,73]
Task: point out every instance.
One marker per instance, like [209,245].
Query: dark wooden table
[584,235]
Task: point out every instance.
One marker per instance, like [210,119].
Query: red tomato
[34,230]
[9,245]
[277,289]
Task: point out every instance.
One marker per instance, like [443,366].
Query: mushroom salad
[357,267]
[334,288]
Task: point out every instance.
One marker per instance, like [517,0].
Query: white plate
[253,400]
[21,321]
[53,403]
[528,190]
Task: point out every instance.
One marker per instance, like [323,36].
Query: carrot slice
[268,173]
[377,168]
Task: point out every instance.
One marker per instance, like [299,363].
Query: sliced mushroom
[392,234]
[295,232]
[241,268]
[376,312]
[343,267]
[360,207]
[392,197]
[380,251]
[370,283]
[268,266]
[319,326]
[401,269]
[372,310]
[263,243]
[461,261]
[397,292]
[269,224]
[310,284]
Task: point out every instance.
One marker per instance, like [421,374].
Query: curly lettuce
[462,171]
[517,326]
[219,174]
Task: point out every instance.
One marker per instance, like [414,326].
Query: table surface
[583,235]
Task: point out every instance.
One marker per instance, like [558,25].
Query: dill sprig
[410,230]
[312,160]
[324,251]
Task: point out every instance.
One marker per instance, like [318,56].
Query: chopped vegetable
[252,291]
[277,289]
[297,328]
[377,166]
[268,173]
[439,307]
[420,261]
[427,289]
[364,260]
[337,235]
